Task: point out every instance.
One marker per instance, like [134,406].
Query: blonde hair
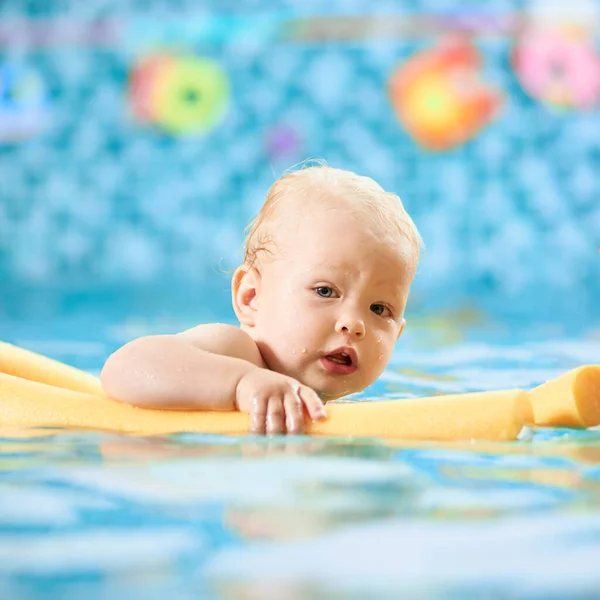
[364,191]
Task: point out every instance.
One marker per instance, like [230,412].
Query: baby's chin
[329,388]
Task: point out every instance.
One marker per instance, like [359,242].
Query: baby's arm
[196,369]
[209,367]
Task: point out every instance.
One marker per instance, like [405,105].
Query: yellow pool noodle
[571,400]
[35,367]
[482,416]
[37,391]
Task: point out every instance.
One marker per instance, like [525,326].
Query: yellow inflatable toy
[36,391]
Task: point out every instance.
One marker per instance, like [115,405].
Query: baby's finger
[294,413]
[313,403]
[275,416]
[258,416]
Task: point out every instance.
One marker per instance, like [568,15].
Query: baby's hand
[276,402]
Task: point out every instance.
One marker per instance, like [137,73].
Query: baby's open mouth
[341,358]
[340,362]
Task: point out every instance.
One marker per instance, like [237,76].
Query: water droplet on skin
[303,351]
[381,357]
[379,340]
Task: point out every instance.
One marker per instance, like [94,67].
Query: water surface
[100,515]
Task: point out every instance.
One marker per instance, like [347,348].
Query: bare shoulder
[226,340]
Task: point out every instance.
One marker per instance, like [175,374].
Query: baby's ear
[402,325]
[245,288]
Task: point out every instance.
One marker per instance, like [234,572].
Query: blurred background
[137,139]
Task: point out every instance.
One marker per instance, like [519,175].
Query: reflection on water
[98,515]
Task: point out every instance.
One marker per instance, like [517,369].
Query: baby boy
[320,299]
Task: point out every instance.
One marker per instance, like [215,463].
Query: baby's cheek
[384,355]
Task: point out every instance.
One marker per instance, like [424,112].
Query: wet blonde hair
[362,191]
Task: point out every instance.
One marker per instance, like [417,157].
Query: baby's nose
[354,328]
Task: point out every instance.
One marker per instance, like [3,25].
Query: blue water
[96,515]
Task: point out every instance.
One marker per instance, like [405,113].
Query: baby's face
[331,302]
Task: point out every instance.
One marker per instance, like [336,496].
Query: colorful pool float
[36,391]
[559,68]
[185,95]
[439,96]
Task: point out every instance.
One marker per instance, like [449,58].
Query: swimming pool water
[96,515]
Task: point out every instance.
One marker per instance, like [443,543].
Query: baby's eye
[381,309]
[325,291]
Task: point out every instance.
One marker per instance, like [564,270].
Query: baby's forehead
[380,257]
